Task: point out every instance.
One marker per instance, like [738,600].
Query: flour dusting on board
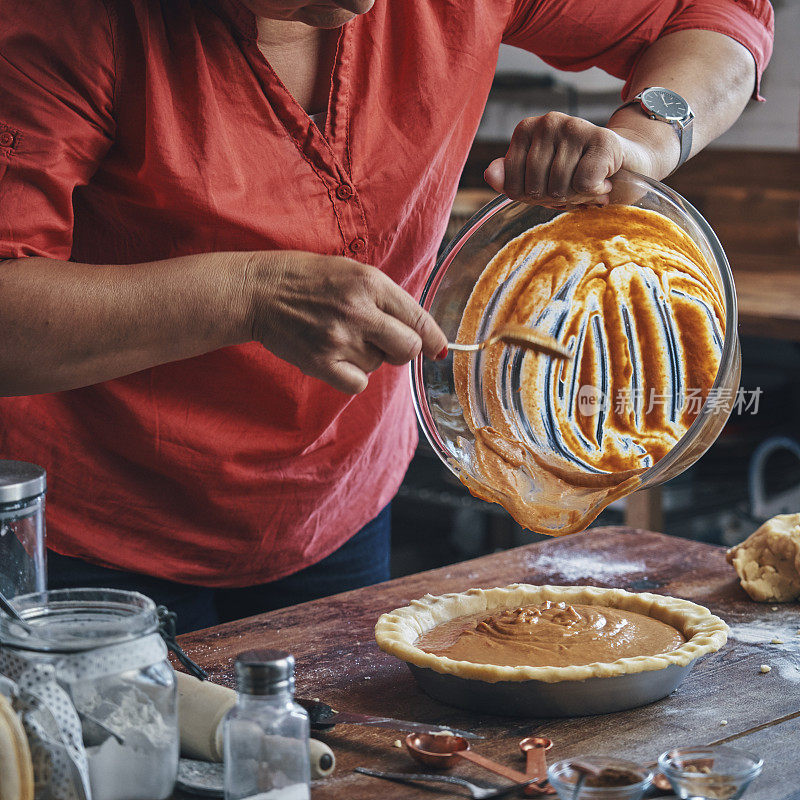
[570,568]
[761,631]
[789,671]
[782,654]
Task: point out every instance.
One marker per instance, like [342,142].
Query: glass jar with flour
[96,658]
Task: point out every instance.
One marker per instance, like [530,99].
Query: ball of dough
[768,561]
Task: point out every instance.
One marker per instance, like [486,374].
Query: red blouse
[137,130]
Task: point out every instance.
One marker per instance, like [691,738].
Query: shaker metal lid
[20,480]
[264,671]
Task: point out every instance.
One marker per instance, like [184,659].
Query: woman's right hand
[334,318]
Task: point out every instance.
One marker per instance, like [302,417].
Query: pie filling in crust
[549,633]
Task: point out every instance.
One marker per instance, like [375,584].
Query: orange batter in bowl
[633,295]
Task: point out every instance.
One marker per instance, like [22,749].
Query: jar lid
[265,671]
[77,620]
[20,480]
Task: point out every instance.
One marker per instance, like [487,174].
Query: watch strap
[684,130]
[685,138]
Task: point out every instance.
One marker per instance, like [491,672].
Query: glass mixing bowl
[450,285]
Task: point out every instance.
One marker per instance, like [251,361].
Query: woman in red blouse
[214,218]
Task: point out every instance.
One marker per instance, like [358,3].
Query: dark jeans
[361,561]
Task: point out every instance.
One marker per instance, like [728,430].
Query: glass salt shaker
[22,552]
[266,733]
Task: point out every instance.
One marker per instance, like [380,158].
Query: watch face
[665,104]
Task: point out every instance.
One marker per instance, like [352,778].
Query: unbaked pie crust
[397,631]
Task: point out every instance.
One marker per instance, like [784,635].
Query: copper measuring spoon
[443,752]
[534,748]
[520,336]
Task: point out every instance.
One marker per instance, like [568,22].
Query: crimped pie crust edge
[398,630]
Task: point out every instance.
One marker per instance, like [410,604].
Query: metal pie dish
[599,688]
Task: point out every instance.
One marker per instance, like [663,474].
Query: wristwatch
[667,106]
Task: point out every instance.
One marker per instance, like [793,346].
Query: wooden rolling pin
[201,708]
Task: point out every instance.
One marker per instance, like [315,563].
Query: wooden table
[769,302]
[339,662]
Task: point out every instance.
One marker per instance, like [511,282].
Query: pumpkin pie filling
[550,634]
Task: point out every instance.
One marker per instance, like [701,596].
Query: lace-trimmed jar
[96,658]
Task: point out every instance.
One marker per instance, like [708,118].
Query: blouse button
[344,192]
[358,245]
[6,139]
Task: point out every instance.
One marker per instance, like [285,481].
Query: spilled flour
[783,656]
[763,631]
[572,568]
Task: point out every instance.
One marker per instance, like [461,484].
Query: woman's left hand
[558,160]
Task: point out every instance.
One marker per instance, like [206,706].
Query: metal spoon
[12,612]
[475,791]
[579,786]
[96,732]
[519,336]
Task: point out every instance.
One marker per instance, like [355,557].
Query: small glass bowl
[731,771]
[564,778]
